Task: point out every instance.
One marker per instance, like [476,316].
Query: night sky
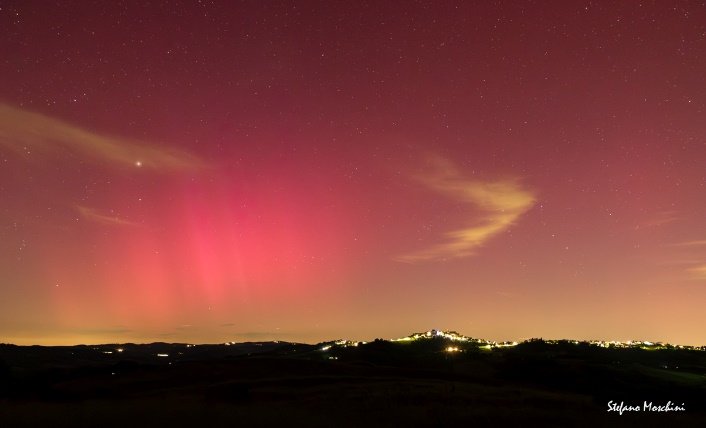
[313,170]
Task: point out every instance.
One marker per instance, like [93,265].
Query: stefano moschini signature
[647,406]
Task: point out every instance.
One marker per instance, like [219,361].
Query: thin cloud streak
[698,272]
[98,331]
[689,243]
[692,253]
[500,204]
[93,215]
[28,133]
[661,218]
[257,334]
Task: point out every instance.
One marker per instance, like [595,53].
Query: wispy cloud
[29,133]
[256,334]
[96,331]
[689,243]
[507,294]
[691,253]
[698,272]
[661,218]
[93,215]
[499,203]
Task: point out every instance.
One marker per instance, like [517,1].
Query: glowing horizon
[213,173]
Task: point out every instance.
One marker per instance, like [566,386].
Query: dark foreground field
[379,384]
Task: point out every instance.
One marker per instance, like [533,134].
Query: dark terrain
[382,383]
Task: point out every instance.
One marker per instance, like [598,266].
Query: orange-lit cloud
[660,219]
[93,215]
[690,243]
[499,203]
[692,254]
[30,133]
[507,294]
[698,272]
